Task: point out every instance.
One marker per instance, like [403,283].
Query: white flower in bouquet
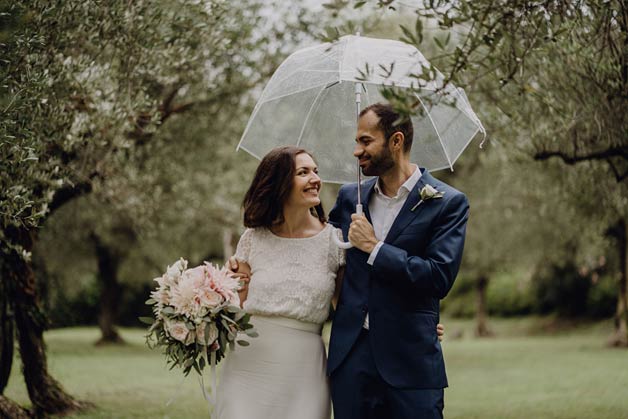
[185,295]
[223,283]
[163,294]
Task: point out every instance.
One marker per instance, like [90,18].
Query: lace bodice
[290,277]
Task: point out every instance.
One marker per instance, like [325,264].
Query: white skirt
[281,375]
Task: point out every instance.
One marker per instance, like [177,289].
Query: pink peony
[209,298]
[195,275]
[178,331]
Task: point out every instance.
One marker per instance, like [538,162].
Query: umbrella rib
[341,58]
[263,100]
[309,112]
[300,72]
[440,139]
[479,129]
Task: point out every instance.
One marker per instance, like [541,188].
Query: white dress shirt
[384,210]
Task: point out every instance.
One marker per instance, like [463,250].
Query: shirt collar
[408,185]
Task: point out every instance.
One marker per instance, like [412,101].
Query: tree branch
[618,176]
[68,193]
[621,151]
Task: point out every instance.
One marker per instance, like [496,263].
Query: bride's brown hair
[271,186]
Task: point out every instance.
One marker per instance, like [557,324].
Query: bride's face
[306,185]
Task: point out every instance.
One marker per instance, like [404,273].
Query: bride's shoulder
[250,234]
[331,230]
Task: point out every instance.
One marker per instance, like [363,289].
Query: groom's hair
[391,122]
[271,186]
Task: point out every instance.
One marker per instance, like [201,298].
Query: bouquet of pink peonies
[197,314]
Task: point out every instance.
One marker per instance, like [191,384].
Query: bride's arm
[336,296]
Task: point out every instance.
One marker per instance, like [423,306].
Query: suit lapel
[367,190]
[406,215]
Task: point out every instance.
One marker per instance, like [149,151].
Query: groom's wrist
[371,246]
[374,252]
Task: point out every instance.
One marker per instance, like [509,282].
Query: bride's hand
[242,272]
[239,271]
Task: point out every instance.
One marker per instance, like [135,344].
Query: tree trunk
[11,410]
[46,394]
[619,336]
[481,312]
[108,264]
[7,333]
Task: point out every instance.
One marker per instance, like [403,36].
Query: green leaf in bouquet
[246,326]
[252,333]
[246,318]
[206,337]
[150,301]
[190,325]
[243,342]
[232,309]
[168,310]
[223,340]
[155,326]
[224,324]
[228,319]
[147,320]
[239,316]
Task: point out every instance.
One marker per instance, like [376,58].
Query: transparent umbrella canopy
[313,98]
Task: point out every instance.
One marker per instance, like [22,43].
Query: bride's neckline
[299,238]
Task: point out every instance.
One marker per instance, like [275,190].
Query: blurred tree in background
[119,123]
[109,107]
[551,78]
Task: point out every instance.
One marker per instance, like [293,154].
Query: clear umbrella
[313,98]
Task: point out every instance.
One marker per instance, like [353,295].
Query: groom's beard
[379,164]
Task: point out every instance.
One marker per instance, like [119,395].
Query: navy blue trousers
[359,392]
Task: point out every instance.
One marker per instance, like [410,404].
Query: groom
[385,360]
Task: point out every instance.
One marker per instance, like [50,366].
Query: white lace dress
[281,375]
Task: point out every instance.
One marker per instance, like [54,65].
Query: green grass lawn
[567,374]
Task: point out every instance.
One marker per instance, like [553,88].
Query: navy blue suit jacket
[414,269]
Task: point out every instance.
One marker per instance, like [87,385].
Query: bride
[295,270]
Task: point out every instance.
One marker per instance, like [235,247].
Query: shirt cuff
[371,259]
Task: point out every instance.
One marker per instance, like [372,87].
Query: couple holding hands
[385,359]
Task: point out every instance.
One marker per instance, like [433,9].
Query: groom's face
[371,146]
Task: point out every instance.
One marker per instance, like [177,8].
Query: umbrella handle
[337,241]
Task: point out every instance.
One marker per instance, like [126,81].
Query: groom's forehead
[368,125]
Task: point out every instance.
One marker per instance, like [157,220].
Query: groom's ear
[396,141]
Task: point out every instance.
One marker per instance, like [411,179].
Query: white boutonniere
[428,192]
